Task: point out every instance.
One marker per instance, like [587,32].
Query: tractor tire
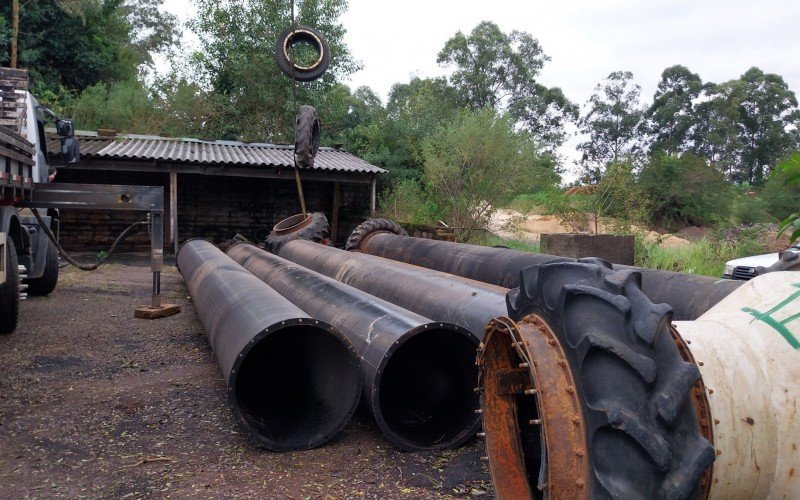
[372,226]
[283,56]
[632,383]
[9,291]
[313,227]
[46,283]
[306,136]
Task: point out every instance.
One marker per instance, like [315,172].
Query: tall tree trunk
[14,31]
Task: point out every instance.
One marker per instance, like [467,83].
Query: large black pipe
[418,375]
[689,295]
[440,296]
[293,381]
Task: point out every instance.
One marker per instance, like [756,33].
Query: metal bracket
[116,197]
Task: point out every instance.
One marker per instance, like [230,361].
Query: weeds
[706,257]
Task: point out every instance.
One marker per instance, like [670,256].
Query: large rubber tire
[316,230]
[302,34]
[9,291]
[46,283]
[634,387]
[371,226]
[306,136]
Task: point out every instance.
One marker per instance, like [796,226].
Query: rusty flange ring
[701,405]
[531,412]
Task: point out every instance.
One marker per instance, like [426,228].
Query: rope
[69,258]
[294,106]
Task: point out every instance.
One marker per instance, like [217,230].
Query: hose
[69,258]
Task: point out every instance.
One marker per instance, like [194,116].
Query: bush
[408,202]
[748,206]
[684,190]
[528,203]
[780,196]
[477,161]
[616,195]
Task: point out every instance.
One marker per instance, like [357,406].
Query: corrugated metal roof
[201,151]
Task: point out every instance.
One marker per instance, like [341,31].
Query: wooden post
[173,209]
[373,196]
[14,32]
[337,199]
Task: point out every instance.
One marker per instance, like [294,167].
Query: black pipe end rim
[425,395]
[295,385]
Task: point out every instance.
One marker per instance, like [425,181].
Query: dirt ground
[95,403]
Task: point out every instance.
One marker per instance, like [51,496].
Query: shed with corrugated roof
[216,188]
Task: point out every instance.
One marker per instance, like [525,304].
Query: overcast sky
[586,39]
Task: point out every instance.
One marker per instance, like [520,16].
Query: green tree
[768,110]
[669,121]
[393,137]
[70,45]
[255,100]
[499,70]
[683,190]
[170,106]
[611,120]
[717,135]
[749,124]
[478,160]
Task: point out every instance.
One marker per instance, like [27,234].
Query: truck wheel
[9,291]
[47,282]
[312,227]
[633,386]
[372,226]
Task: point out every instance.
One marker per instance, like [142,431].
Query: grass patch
[529,203]
[706,257]
[493,240]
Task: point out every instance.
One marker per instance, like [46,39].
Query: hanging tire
[9,291]
[46,283]
[632,383]
[299,71]
[306,136]
[369,227]
[313,227]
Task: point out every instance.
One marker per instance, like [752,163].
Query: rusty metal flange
[701,405]
[532,420]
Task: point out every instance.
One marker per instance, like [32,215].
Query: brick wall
[212,207]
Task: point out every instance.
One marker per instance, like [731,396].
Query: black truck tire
[46,283]
[633,385]
[296,34]
[9,291]
[306,136]
[313,228]
[371,226]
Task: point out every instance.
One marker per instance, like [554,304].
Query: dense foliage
[697,152]
[68,45]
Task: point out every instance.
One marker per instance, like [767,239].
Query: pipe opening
[425,392]
[292,224]
[297,387]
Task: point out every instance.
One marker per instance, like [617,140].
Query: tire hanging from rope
[307,125]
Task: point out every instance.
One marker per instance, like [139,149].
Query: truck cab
[29,260]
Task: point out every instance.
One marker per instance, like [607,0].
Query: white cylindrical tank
[747,348]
